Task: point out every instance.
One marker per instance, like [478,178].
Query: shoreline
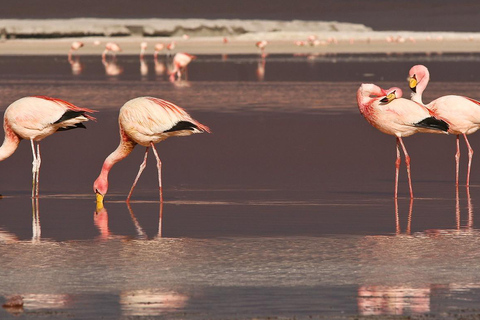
[361,43]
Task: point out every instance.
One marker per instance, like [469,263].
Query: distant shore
[246,45]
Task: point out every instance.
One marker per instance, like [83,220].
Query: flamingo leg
[407,162]
[397,168]
[34,170]
[470,156]
[409,221]
[159,167]
[457,160]
[140,170]
[39,162]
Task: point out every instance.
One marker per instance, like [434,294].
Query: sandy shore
[347,43]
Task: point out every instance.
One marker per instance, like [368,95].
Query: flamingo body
[35,118]
[146,121]
[180,63]
[461,113]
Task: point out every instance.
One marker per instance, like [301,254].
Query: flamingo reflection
[19,303]
[261,69]
[112,68]
[151,302]
[100,219]
[393,300]
[409,220]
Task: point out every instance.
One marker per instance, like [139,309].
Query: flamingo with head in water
[461,113]
[146,121]
[391,114]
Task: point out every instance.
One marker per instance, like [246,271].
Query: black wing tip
[433,123]
[69,114]
[183,125]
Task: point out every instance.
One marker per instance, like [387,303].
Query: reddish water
[286,209]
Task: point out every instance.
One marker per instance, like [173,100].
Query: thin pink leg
[407,162]
[398,230]
[457,160]
[159,167]
[140,170]
[470,156]
[39,162]
[409,221]
[397,168]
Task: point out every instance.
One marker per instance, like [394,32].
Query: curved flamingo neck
[365,100]
[423,79]
[121,152]
[10,143]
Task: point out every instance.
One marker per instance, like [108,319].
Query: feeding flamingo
[35,118]
[391,114]
[111,47]
[180,63]
[461,113]
[146,121]
[74,47]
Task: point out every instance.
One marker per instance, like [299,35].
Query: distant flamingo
[262,45]
[180,63]
[158,47]
[146,121]
[74,47]
[143,47]
[461,113]
[391,114]
[111,47]
[34,118]
[170,47]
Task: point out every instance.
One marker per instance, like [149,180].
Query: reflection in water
[19,303]
[112,68]
[397,218]
[100,220]
[261,69]
[76,65]
[151,302]
[143,69]
[159,67]
[36,229]
[392,300]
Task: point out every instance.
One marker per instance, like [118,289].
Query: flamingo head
[392,94]
[100,187]
[416,74]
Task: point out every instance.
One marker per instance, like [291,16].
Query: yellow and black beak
[412,83]
[390,97]
[99,197]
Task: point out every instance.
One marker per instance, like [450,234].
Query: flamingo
[146,121]
[35,118]
[180,63]
[111,47]
[158,47]
[261,45]
[171,46]
[391,114]
[143,47]
[461,113]
[74,47]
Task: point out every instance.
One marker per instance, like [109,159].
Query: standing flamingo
[461,113]
[35,118]
[180,63]
[158,47]
[74,47]
[146,121]
[170,47]
[391,114]
[111,47]
[261,45]
[143,47]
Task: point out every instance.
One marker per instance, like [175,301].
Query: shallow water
[286,209]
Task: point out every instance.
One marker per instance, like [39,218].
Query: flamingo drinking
[180,63]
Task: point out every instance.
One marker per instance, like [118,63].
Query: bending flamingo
[74,47]
[180,63]
[146,121]
[34,118]
[391,114]
[461,113]
[111,47]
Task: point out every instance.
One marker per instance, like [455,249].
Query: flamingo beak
[390,97]
[99,197]
[412,83]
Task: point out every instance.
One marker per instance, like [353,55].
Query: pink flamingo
[74,47]
[170,47]
[461,113]
[391,114]
[146,121]
[143,47]
[261,45]
[111,47]
[158,47]
[35,118]
[180,63]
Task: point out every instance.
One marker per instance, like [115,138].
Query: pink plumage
[146,121]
